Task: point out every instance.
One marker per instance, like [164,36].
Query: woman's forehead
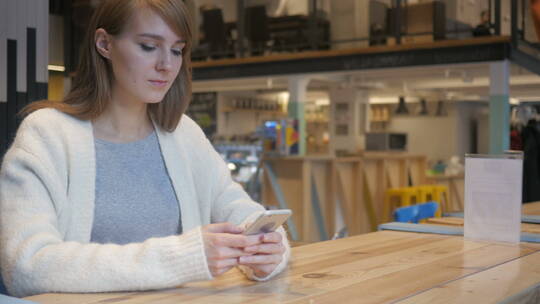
[146,21]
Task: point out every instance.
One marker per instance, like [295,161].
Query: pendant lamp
[423,107]
[402,107]
[441,110]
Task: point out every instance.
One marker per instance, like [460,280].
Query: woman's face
[146,58]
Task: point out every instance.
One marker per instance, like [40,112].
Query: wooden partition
[323,190]
[456,188]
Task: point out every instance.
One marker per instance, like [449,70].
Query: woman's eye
[176,52]
[147,48]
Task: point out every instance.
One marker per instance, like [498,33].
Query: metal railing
[315,36]
[525,33]
[523,22]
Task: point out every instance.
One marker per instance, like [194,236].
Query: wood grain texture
[531,208]
[377,267]
[455,184]
[527,209]
[514,282]
[458,221]
[356,184]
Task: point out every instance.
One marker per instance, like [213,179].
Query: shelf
[317,120]
[229,110]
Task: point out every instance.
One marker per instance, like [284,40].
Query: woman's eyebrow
[158,37]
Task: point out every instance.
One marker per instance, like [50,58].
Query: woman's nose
[164,62]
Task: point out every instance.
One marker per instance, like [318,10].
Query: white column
[297,98]
[348,119]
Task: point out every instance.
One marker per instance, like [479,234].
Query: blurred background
[298,94]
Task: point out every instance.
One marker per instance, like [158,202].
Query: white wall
[428,135]
[230,8]
[297,7]
[239,122]
[355,118]
[466,11]
[274,7]
[440,137]
[233,123]
[227,6]
[350,20]
[467,126]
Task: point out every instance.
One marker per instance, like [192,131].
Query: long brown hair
[92,84]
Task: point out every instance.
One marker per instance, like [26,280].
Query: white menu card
[493,188]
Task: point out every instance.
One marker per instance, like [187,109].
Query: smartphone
[268,221]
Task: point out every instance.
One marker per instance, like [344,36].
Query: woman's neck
[122,122]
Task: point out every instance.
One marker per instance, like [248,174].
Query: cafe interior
[404,136]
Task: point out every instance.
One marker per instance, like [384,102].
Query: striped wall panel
[24,32]
[3,75]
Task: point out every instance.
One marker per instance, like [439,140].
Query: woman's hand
[265,257]
[224,245]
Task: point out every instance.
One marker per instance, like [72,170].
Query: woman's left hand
[266,256]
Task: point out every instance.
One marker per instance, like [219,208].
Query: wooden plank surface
[371,268]
[455,184]
[531,208]
[517,277]
[458,221]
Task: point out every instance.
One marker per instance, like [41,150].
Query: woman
[113,189]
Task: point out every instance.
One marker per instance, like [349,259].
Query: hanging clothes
[531,161]
[516,141]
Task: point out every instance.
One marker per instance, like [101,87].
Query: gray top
[135,199]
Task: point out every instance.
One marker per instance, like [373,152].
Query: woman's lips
[158,83]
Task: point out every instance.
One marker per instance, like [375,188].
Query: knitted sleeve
[35,258]
[230,203]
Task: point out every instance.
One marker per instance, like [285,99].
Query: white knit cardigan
[47,187]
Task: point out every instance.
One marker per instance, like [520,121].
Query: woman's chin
[153,100]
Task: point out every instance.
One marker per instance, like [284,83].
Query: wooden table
[528,209]
[379,267]
[531,208]
[459,221]
[455,184]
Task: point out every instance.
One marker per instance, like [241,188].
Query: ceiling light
[57,68]
[269,83]
[466,77]
[423,107]
[441,110]
[402,107]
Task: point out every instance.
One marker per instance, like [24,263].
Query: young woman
[114,189]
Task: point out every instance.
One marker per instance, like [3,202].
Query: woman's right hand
[224,243]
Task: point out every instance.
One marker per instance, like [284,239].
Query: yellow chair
[405,196]
[440,194]
[436,193]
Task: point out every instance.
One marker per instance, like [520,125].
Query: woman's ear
[103,42]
